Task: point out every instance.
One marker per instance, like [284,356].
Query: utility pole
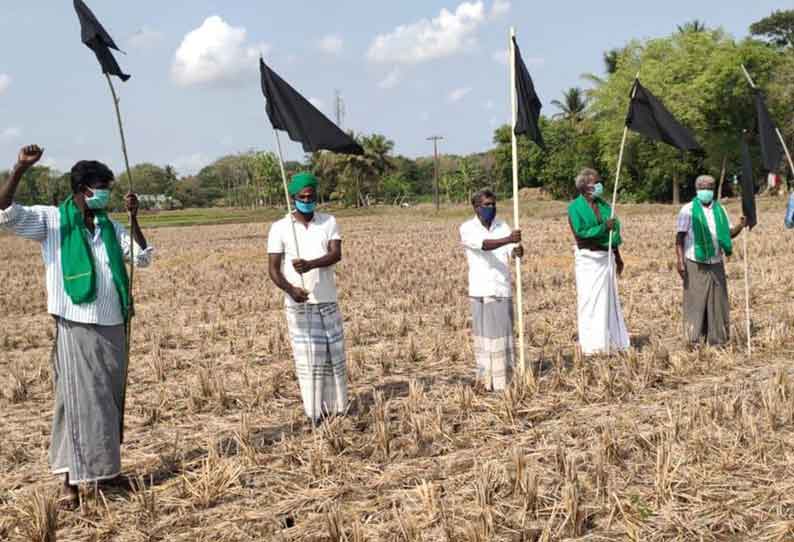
[340,108]
[435,140]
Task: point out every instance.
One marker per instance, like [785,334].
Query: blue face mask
[706,196]
[598,189]
[99,200]
[305,207]
[487,214]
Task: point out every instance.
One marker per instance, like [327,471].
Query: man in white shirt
[303,250]
[704,234]
[88,295]
[489,243]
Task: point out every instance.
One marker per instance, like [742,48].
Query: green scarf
[585,224]
[77,262]
[704,246]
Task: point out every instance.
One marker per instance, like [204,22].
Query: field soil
[659,444]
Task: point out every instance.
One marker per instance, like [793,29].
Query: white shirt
[43,224]
[314,242]
[489,270]
[684,225]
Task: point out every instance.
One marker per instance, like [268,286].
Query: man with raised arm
[88,296]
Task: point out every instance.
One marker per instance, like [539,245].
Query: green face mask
[706,196]
[99,200]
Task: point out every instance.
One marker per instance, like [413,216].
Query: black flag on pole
[771,150]
[291,112]
[528,102]
[648,116]
[98,40]
[748,185]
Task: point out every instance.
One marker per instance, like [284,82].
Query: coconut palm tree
[573,105]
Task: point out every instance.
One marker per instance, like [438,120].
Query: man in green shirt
[599,315]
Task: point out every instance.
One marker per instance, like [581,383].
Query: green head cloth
[300,181]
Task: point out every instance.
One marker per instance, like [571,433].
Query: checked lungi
[318,346]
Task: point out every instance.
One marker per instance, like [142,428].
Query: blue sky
[407,69]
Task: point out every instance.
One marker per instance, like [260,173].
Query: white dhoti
[598,304]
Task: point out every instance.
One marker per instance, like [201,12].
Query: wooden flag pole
[747,294]
[128,330]
[305,304]
[611,216]
[522,363]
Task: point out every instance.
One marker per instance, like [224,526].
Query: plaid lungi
[318,347]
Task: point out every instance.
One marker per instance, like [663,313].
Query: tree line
[694,71]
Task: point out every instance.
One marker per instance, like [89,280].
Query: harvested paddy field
[658,444]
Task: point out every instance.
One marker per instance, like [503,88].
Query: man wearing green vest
[88,296]
[704,236]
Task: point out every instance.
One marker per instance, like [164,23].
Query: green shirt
[586,225]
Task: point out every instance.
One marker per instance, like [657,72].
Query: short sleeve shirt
[489,270]
[313,242]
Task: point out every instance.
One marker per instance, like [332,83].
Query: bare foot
[71,497]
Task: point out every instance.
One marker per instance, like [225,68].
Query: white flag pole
[519,283]
[612,215]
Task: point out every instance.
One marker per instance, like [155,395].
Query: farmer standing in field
[88,295]
[306,273]
[704,235]
[489,242]
[599,314]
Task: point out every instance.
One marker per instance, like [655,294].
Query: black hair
[87,172]
[484,193]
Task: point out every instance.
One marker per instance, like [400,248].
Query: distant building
[158,202]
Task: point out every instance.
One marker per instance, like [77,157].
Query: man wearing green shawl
[704,236]
[303,250]
[88,296]
[599,314]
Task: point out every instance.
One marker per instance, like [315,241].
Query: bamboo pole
[747,294]
[522,363]
[611,216]
[131,312]
[304,305]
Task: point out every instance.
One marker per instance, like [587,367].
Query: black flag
[648,116]
[528,102]
[748,186]
[771,150]
[291,112]
[98,40]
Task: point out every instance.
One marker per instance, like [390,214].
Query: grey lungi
[88,372]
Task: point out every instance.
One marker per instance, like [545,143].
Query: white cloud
[429,39]
[190,164]
[458,94]
[331,44]
[499,8]
[215,54]
[5,82]
[391,80]
[145,38]
[11,133]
